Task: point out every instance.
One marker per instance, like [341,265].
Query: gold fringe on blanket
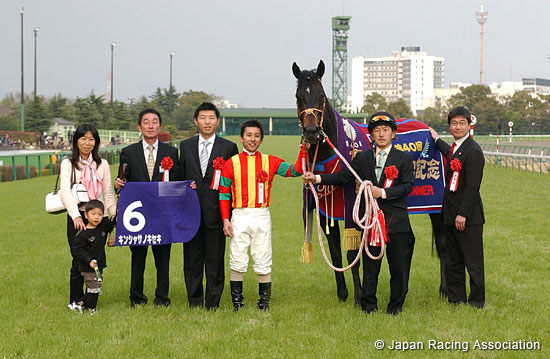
[352,239]
[307,253]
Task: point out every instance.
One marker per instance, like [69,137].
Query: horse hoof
[342,296]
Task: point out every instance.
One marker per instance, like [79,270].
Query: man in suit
[206,251]
[143,165]
[463,210]
[375,165]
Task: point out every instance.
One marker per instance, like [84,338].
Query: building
[408,74]
[62,127]
[536,86]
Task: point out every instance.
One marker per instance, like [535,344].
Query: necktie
[381,163]
[451,151]
[204,157]
[150,162]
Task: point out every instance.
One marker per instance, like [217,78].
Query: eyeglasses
[380,118]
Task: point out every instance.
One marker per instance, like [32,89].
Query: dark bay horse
[315,115]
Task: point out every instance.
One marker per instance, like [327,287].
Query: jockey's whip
[372,219]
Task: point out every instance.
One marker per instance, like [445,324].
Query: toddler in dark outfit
[89,248]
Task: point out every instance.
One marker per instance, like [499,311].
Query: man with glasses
[463,210]
[391,172]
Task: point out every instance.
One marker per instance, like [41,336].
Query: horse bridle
[313,111]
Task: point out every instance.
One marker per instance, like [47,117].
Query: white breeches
[251,228]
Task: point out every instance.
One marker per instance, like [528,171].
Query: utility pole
[481,17]
[35,56]
[22,76]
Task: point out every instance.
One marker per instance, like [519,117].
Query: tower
[481,17]
[340,27]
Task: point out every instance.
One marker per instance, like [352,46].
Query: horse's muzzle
[311,136]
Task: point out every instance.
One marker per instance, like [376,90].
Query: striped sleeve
[285,169]
[226,181]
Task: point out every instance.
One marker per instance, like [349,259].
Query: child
[89,248]
[246,179]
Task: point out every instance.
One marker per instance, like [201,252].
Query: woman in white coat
[84,166]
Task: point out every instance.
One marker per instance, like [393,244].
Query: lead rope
[371,218]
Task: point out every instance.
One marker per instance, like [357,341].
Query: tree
[36,117]
[399,109]
[188,102]
[432,118]
[373,103]
[477,98]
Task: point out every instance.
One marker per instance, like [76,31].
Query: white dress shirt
[146,151]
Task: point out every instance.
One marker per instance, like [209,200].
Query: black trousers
[396,253]
[465,250]
[204,253]
[76,282]
[162,263]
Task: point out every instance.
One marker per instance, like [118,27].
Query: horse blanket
[413,137]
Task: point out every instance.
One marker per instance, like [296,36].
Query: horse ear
[296,70]
[320,69]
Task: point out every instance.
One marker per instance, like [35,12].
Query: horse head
[311,101]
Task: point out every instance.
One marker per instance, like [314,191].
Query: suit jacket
[394,205]
[136,170]
[466,200]
[190,169]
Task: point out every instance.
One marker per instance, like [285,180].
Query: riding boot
[265,295]
[237,294]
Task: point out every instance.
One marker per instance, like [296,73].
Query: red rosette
[261,176]
[456,165]
[391,172]
[218,163]
[167,163]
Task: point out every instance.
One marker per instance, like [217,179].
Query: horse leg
[336,257]
[438,230]
[351,254]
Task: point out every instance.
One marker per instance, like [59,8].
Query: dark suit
[205,252]
[464,248]
[136,171]
[396,216]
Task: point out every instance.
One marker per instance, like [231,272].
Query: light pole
[171,57]
[22,76]
[112,69]
[36,29]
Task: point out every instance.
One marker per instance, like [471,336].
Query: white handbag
[54,204]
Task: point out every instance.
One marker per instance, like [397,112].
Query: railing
[32,165]
[524,162]
[516,149]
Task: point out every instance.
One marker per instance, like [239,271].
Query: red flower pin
[167,163]
[218,163]
[261,176]
[456,165]
[391,172]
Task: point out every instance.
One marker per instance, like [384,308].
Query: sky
[243,50]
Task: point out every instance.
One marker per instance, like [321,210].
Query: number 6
[129,214]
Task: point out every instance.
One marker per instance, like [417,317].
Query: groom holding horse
[391,172]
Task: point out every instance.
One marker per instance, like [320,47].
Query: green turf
[305,319]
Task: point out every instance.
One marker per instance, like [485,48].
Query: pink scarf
[90,178]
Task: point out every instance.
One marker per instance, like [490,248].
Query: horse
[317,119]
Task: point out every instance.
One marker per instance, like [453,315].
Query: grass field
[305,319]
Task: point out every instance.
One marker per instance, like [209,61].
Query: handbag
[54,204]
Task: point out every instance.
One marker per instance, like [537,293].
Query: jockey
[246,181]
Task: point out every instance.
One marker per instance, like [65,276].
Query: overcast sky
[243,49]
